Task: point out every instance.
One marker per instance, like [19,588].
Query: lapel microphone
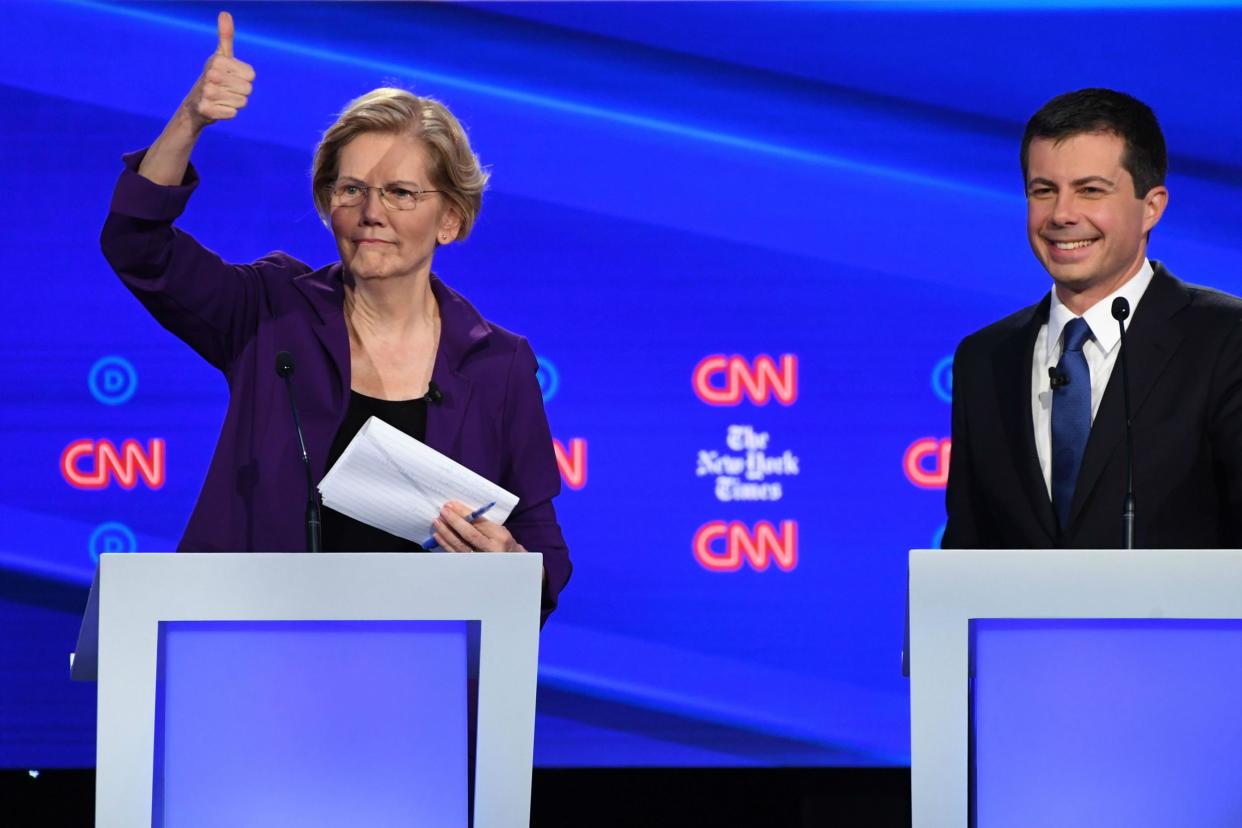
[284,370]
[1121,312]
[1056,380]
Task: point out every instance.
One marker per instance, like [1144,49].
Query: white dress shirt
[1100,351]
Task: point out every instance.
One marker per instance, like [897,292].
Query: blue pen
[431,543]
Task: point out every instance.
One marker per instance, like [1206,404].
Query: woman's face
[380,242]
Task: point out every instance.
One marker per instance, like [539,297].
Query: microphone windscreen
[284,364]
[1121,309]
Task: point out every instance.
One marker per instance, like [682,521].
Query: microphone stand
[1121,311]
[284,369]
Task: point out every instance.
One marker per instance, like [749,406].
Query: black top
[342,533]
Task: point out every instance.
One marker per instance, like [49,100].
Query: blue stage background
[828,191]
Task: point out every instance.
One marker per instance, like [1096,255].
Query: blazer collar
[324,290]
[1151,338]
[462,328]
[1012,380]
[462,331]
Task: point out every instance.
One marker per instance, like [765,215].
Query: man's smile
[1074,245]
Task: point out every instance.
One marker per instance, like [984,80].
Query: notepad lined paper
[393,482]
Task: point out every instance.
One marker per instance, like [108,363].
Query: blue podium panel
[1086,722]
[311,723]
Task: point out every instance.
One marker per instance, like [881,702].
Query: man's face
[1083,219]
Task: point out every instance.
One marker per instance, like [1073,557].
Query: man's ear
[1154,202]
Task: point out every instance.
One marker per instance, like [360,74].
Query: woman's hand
[455,534]
[225,84]
[219,93]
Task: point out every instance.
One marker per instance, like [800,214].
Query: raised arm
[219,93]
[207,302]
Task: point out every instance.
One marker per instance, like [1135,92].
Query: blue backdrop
[744,240]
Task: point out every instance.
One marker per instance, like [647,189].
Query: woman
[375,334]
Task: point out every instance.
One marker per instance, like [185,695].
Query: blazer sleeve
[1225,435]
[210,304]
[962,529]
[529,470]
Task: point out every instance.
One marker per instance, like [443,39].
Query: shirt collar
[1099,316]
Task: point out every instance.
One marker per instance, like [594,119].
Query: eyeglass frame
[384,192]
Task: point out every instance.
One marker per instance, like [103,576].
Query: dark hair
[1105,110]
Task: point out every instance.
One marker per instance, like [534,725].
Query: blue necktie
[1071,418]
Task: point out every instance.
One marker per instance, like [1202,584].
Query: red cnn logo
[721,547]
[927,462]
[572,462]
[125,466]
[722,380]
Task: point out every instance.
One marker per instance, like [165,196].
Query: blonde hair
[454,168]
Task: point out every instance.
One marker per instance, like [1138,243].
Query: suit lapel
[1151,339]
[325,292]
[1012,367]
[462,330]
[445,418]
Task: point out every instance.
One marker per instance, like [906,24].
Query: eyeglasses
[397,196]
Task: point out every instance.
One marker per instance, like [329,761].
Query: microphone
[1121,312]
[1057,380]
[433,394]
[284,365]
[284,370]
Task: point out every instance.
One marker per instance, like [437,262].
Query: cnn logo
[726,380]
[571,461]
[926,462]
[724,547]
[94,464]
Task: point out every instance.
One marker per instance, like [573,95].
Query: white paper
[393,482]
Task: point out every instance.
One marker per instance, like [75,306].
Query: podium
[313,690]
[1075,687]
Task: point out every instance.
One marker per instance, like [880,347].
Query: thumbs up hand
[225,84]
[222,89]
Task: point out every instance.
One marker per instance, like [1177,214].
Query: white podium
[1076,687]
[313,690]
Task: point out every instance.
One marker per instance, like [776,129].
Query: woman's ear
[450,226]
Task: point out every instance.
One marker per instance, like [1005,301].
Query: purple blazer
[238,317]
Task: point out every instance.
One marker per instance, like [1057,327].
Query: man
[1039,452]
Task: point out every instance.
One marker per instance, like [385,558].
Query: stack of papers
[393,482]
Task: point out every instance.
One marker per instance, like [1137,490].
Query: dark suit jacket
[238,317]
[1185,357]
